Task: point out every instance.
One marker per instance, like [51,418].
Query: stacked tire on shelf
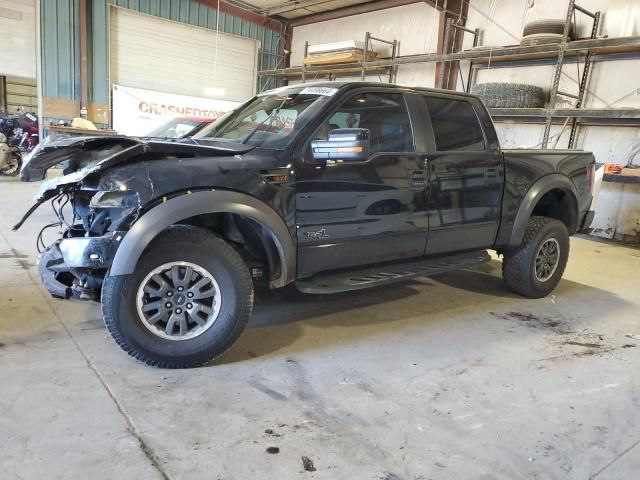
[520,95]
[509,95]
[544,32]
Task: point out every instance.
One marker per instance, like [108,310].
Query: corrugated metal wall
[60,40]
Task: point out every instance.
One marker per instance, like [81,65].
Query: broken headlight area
[93,225]
[115,199]
[112,210]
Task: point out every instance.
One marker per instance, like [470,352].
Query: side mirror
[343,145]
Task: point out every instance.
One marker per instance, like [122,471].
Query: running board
[326,283]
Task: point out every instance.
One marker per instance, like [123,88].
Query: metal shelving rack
[620,116]
[601,46]
[585,50]
[336,69]
[554,92]
[448,31]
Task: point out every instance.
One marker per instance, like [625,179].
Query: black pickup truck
[330,187]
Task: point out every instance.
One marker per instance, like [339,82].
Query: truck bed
[524,167]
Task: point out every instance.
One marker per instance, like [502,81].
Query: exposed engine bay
[92,225]
[88,218]
[102,191]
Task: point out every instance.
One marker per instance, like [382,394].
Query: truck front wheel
[187,302]
[535,267]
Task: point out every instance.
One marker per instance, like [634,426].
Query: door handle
[417,179]
[491,173]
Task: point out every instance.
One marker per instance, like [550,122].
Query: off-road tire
[518,265]
[509,95]
[187,244]
[541,39]
[554,26]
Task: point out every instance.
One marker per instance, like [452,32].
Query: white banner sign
[136,112]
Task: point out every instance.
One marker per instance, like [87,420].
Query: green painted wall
[60,40]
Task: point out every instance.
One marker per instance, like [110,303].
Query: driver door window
[383,114]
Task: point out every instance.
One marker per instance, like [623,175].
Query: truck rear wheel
[188,301]
[536,266]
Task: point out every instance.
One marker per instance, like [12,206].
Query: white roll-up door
[22,93]
[18,38]
[157,54]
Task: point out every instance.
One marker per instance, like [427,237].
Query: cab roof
[343,85]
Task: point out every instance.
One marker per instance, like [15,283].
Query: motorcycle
[18,136]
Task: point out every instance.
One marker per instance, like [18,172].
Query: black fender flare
[175,209]
[531,199]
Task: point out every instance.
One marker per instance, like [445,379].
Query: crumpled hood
[95,153]
[85,156]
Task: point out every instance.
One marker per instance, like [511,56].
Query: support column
[456,12]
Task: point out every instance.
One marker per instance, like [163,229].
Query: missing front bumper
[55,275]
[74,267]
[90,252]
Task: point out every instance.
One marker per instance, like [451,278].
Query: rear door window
[455,125]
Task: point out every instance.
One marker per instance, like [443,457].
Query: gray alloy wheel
[547,259]
[178,300]
[534,268]
[187,301]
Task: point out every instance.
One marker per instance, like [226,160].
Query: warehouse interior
[440,375]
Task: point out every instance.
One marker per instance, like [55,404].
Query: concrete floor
[443,378]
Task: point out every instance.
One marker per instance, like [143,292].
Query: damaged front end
[92,221]
[106,183]
[75,265]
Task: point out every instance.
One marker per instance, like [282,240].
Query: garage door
[18,38]
[20,93]
[157,54]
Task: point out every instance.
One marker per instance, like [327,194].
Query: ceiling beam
[358,10]
[291,6]
[245,14]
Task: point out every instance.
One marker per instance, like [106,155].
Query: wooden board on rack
[333,58]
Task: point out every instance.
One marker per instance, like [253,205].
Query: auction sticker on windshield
[326,91]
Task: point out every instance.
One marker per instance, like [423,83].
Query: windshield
[176,128]
[271,119]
